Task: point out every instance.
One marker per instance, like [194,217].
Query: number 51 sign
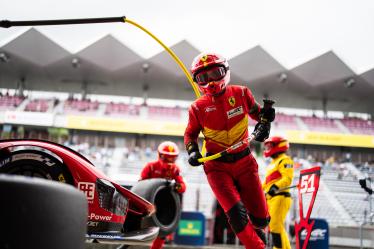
[308,184]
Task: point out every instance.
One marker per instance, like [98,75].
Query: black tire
[37,213]
[34,163]
[168,205]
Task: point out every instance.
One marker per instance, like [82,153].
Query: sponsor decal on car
[92,223]
[33,156]
[104,236]
[235,112]
[88,188]
[98,217]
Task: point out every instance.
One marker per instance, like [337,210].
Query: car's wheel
[168,205]
[35,163]
[43,214]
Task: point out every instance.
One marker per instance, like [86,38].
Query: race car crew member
[279,175]
[166,168]
[222,116]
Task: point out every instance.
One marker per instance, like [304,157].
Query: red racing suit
[160,169]
[223,120]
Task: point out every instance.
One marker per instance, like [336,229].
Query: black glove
[261,131]
[194,154]
[267,114]
[193,159]
[273,190]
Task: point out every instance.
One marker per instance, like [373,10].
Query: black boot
[261,234]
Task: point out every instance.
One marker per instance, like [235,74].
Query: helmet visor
[211,74]
[168,158]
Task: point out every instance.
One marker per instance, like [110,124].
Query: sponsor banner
[28,118]
[191,229]
[126,125]
[319,237]
[322,138]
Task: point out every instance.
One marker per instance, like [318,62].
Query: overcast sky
[292,31]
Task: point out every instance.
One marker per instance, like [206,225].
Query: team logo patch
[235,112]
[171,148]
[232,101]
[204,60]
[210,108]
[61,178]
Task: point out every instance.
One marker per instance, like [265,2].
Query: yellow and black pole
[8,24]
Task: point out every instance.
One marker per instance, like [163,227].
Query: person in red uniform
[221,114]
[166,168]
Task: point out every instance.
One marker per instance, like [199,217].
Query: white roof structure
[109,67]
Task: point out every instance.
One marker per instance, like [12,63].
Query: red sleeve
[179,179]
[193,127]
[253,107]
[146,172]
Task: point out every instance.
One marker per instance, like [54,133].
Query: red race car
[115,214]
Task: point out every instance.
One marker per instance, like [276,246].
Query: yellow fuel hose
[176,59]
[172,54]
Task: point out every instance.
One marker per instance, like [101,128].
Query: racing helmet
[274,145]
[168,152]
[210,72]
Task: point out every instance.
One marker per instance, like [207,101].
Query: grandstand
[110,110]
[345,125]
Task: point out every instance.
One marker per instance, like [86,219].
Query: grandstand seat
[359,126]
[164,112]
[320,124]
[80,106]
[10,102]
[284,121]
[37,105]
[114,109]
